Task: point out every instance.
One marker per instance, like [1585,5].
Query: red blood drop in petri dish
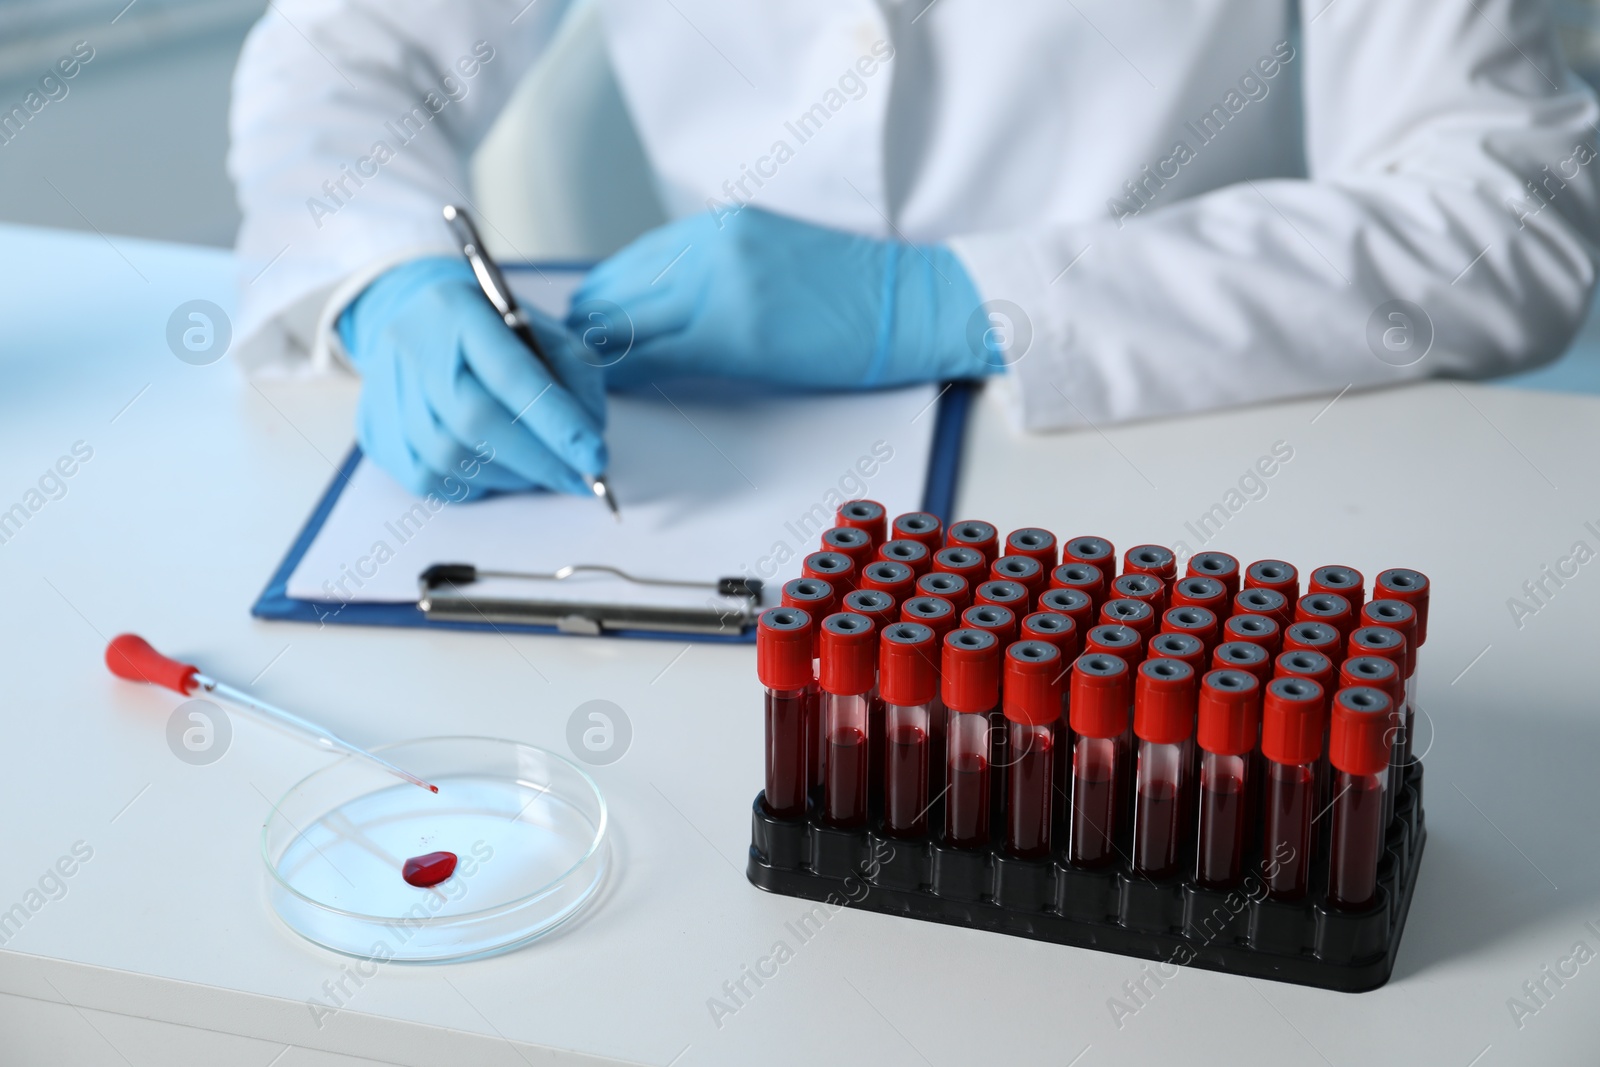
[423,871]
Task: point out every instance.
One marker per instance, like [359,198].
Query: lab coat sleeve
[1429,124]
[352,123]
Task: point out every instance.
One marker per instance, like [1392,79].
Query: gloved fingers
[472,412]
[540,408]
[667,310]
[381,435]
[576,362]
[659,359]
[664,253]
[452,448]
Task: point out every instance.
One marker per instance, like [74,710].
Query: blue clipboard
[938,496]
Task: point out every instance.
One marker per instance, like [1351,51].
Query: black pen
[499,294]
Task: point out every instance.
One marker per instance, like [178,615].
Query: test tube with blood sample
[819,601]
[784,642]
[849,672]
[1102,697]
[1032,707]
[970,687]
[908,679]
[1228,724]
[1292,714]
[1399,615]
[1163,722]
[1359,753]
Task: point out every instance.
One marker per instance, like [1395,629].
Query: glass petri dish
[528,828]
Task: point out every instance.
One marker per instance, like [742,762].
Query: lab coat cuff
[1014,284]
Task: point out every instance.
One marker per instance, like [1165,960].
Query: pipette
[132,657]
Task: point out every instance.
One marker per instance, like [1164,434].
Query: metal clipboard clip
[730,606]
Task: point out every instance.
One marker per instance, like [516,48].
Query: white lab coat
[1193,202]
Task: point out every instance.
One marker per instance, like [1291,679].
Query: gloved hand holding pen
[442,375]
[768,298]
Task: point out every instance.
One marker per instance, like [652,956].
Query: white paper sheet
[711,484]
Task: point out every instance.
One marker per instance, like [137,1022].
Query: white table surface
[199,480]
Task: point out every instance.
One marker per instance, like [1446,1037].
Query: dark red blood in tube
[1359,750]
[852,542]
[1185,647]
[918,526]
[1218,565]
[1154,560]
[835,568]
[867,515]
[896,579]
[845,800]
[1032,705]
[908,680]
[1345,581]
[1095,550]
[848,642]
[1073,603]
[784,662]
[970,686]
[1292,717]
[946,586]
[1276,575]
[1024,570]
[423,871]
[1101,699]
[970,563]
[1163,722]
[913,554]
[1228,725]
[1036,543]
[982,537]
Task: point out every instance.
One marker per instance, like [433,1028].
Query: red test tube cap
[816,596]
[1269,602]
[875,604]
[1102,692]
[1095,550]
[1398,615]
[1135,613]
[896,579]
[1402,583]
[1330,608]
[1039,545]
[1190,619]
[1137,585]
[1345,581]
[951,587]
[918,526]
[1164,701]
[1243,656]
[908,664]
[1230,712]
[834,567]
[1073,603]
[1031,693]
[1024,570]
[1055,628]
[1112,640]
[1303,663]
[1379,641]
[868,515]
[970,679]
[1255,629]
[970,563]
[913,554]
[784,647]
[998,620]
[1274,574]
[1374,672]
[847,648]
[1218,565]
[934,612]
[979,536]
[1312,637]
[1155,560]
[1013,595]
[1359,739]
[849,541]
[1199,591]
[1291,720]
[1186,647]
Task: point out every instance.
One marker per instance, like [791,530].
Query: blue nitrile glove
[449,392]
[769,298]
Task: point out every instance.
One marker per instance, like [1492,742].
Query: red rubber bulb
[131,656]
